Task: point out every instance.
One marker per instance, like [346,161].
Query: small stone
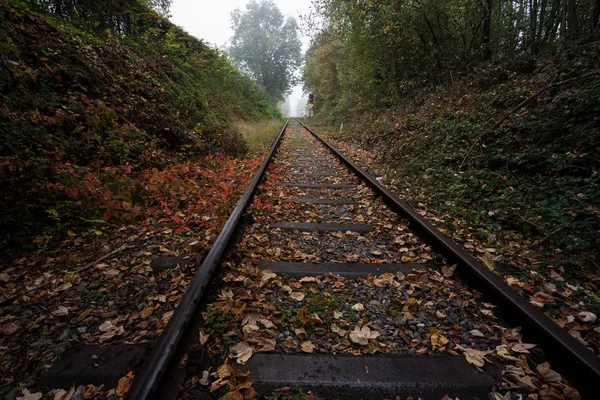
[65,334]
[82,329]
[375,303]
[79,393]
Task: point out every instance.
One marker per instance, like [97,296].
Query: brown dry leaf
[124,384]
[540,299]
[242,352]
[111,273]
[203,337]
[358,307]
[224,371]
[298,296]
[267,323]
[10,328]
[266,277]
[337,314]
[60,311]
[438,340]
[146,312]
[522,347]
[235,395]
[362,335]
[307,347]
[547,374]
[474,357]
[65,394]
[448,271]
[488,261]
[27,395]
[218,384]
[251,394]
[307,279]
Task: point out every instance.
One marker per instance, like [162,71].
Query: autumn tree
[265,46]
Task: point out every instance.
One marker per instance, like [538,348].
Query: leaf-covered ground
[99,288]
[424,312]
[569,297]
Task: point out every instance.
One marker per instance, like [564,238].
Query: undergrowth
[89,120]
[527,175]
[259,134]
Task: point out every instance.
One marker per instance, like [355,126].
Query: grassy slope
[77,108]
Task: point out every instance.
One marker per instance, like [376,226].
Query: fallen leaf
[203,337]
[586,316]
[307,347]
[540,299]
[337,314]
[62,394]
[488,261]
[111,273]
[146,312]
[307,279]
[362,335]
[235,395]
[548,375]
[298,296]
[448,271]
[124,384]
[10,328]
[522,347]
[224,371]
[205,380]
[27,395]
[358,307]
[242,352]
[474,357]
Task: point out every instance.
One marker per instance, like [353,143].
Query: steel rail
[568,356]
[148,379]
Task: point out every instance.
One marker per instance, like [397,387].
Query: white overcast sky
[211,21]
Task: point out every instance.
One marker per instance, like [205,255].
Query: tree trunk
[595,15]
[485,29]
[563,20]
[573,26]
[533,14]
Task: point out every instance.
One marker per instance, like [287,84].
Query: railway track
[322,280]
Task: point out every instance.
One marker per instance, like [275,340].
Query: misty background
[211,22]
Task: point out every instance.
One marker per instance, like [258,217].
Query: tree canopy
[372,53]
[265,46]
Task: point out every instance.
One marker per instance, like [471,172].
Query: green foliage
[532,176]
[375,53]
[79,97]
[266,47]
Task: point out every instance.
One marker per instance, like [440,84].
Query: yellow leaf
[124,384]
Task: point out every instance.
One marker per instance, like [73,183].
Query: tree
[266,47]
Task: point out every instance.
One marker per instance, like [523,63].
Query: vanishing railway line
[334,285]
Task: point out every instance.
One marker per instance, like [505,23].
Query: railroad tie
[318,185]
[314,174]
[313,200]
[347,270]
[371,377]
[327,227]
